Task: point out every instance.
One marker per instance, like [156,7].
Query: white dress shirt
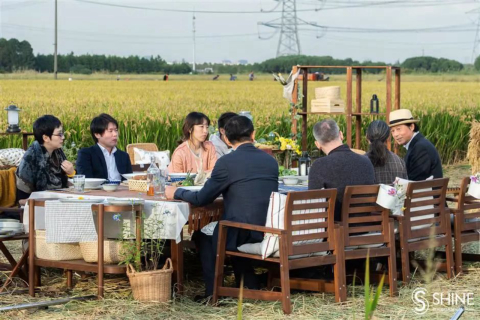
[408,144]
[113,173]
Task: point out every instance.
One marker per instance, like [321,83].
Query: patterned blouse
[394,167]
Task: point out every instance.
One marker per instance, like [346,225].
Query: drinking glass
[79,183]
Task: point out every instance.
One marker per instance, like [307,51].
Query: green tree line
[18,55]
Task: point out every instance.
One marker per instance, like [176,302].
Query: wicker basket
[111,251]
[55,251]
[137,185]
[151,285]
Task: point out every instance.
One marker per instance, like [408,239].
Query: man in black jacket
[422,159]
[245,178]
[341,167]
[103,160]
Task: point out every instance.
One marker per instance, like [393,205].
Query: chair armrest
[252,227]
[397,217]
[20,210]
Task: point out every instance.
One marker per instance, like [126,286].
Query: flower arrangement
[475,178]
[287,144]
[474,187]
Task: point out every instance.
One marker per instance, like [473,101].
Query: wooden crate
[328,105]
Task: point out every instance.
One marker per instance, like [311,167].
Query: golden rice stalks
[473,153]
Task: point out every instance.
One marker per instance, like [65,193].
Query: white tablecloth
[171,215]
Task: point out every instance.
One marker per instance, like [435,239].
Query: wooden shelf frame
[392,75]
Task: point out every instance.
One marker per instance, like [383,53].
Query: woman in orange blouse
[195,152]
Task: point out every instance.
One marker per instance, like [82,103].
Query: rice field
[153,111]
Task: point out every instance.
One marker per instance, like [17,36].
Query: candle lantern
[304,164]
[374,104]
[13,119]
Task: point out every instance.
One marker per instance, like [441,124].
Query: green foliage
[80,69]
[431,64]
[15,55]
[286,172]
[371,298]
[477,63]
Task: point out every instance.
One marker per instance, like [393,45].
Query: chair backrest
[425,208]
[364,221]
[309,221]
[143,146]
[468,208]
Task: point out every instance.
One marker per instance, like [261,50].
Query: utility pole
[55,65]
[193,21]
[476,42]
[288,24]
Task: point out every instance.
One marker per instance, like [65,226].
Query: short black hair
[45,125]
[100,124]
[239,129]
[224,117]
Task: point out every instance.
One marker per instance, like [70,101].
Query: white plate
[9,220]
[191,188]
[76,200]
[10,224]
[300,178]
[131,175]
[125,201]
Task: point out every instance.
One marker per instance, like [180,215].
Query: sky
[87,27]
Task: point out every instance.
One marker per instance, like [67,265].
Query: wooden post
[358,102]
[100,250]
[31,247]
[349,106]
[388,99]
[397,102]
[304,107]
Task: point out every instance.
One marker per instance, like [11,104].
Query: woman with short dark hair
[387,164]
[195,152]
[44,165]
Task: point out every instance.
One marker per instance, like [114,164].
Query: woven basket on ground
[151,285]
[111,251]
[55,251]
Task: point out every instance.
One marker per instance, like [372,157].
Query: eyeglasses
[61,134]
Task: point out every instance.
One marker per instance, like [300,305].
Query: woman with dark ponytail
[387,164]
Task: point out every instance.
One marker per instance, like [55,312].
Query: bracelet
[71,175]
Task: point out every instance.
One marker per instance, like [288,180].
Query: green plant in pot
[148,282]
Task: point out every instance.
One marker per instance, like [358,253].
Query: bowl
[176,177]
[110,187]
[131,175]
[117,182]
[290,181]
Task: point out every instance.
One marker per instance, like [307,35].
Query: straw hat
[401,116]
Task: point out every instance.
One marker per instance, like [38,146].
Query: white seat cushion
[11,157]
[256,248]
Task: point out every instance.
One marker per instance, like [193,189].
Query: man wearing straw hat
[422,159]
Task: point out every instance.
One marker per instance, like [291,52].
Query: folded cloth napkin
[69,223]
[208,229]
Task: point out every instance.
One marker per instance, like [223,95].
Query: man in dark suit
[422,159]
[103,160]
[245,178]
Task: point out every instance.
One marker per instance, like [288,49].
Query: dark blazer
[91,162]
[422,160]
[246,178]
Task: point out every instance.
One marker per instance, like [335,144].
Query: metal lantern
[304,164]
[374,104]
[13,119]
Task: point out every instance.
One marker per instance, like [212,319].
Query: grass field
[153,111]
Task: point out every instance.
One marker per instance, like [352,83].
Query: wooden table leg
[31,247]
[100,251]
[69,279]
[16,270]
[177,261]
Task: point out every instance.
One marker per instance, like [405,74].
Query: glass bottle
[154,185]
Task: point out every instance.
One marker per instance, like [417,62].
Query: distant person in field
[388,166]
[194,152]
[218,139]
[103,160]
[216,77]
[422,159]
[165,77]
[44,166]
[251,76]
[233,77]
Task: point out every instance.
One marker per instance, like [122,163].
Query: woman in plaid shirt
[387,164]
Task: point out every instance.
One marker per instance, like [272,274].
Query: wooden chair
[100,268]
[425,223]
[143,146]
[466,223]
[297,251]
[368,230]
